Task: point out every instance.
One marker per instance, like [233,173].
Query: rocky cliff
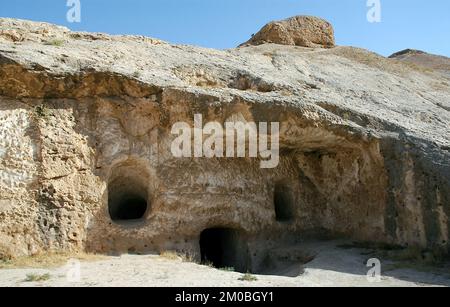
[86,130]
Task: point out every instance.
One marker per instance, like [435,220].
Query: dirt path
[333,266]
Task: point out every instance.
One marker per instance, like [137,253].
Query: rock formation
[85,136]
[305,31]
[421,58]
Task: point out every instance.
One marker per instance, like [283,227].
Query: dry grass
[248,277]
[377,61]
[169,255]
[137,74]
[209,264]
[184,256]
[440,86]
[42,111]
[286,92]
[269,54]
[189,257]
[37,277]
[47,260]
[55,42]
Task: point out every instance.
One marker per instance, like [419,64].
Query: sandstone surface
[86,127]
[305,31]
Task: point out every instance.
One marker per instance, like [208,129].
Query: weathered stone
[86,130]
[305,31]
[421,58]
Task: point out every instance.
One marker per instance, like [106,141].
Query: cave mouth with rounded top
[127,199]
[224,248]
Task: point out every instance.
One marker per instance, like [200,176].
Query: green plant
[247,277]
[227,269]
[37,277]
[42,111]
[5,262]
[55,42]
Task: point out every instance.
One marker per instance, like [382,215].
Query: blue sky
[221,24]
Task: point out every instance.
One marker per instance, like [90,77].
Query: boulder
[305,31]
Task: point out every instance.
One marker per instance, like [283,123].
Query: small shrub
[55,42]
[5,262]
[185,256]
[169,255]
[248,277]
[37,277]
[189,257]
[42,111]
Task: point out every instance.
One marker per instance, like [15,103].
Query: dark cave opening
[130,207]
[223,248]
[127,200]
[284,203]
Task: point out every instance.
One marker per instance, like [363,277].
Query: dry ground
[333,265]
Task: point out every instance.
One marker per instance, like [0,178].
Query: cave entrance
[224,248]
[128,207]
[127,199]
[284,203]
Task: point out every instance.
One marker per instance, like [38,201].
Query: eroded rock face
[305,31]
[85,139]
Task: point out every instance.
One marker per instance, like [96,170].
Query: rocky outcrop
[85,146]
[423,59]
[305,31]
